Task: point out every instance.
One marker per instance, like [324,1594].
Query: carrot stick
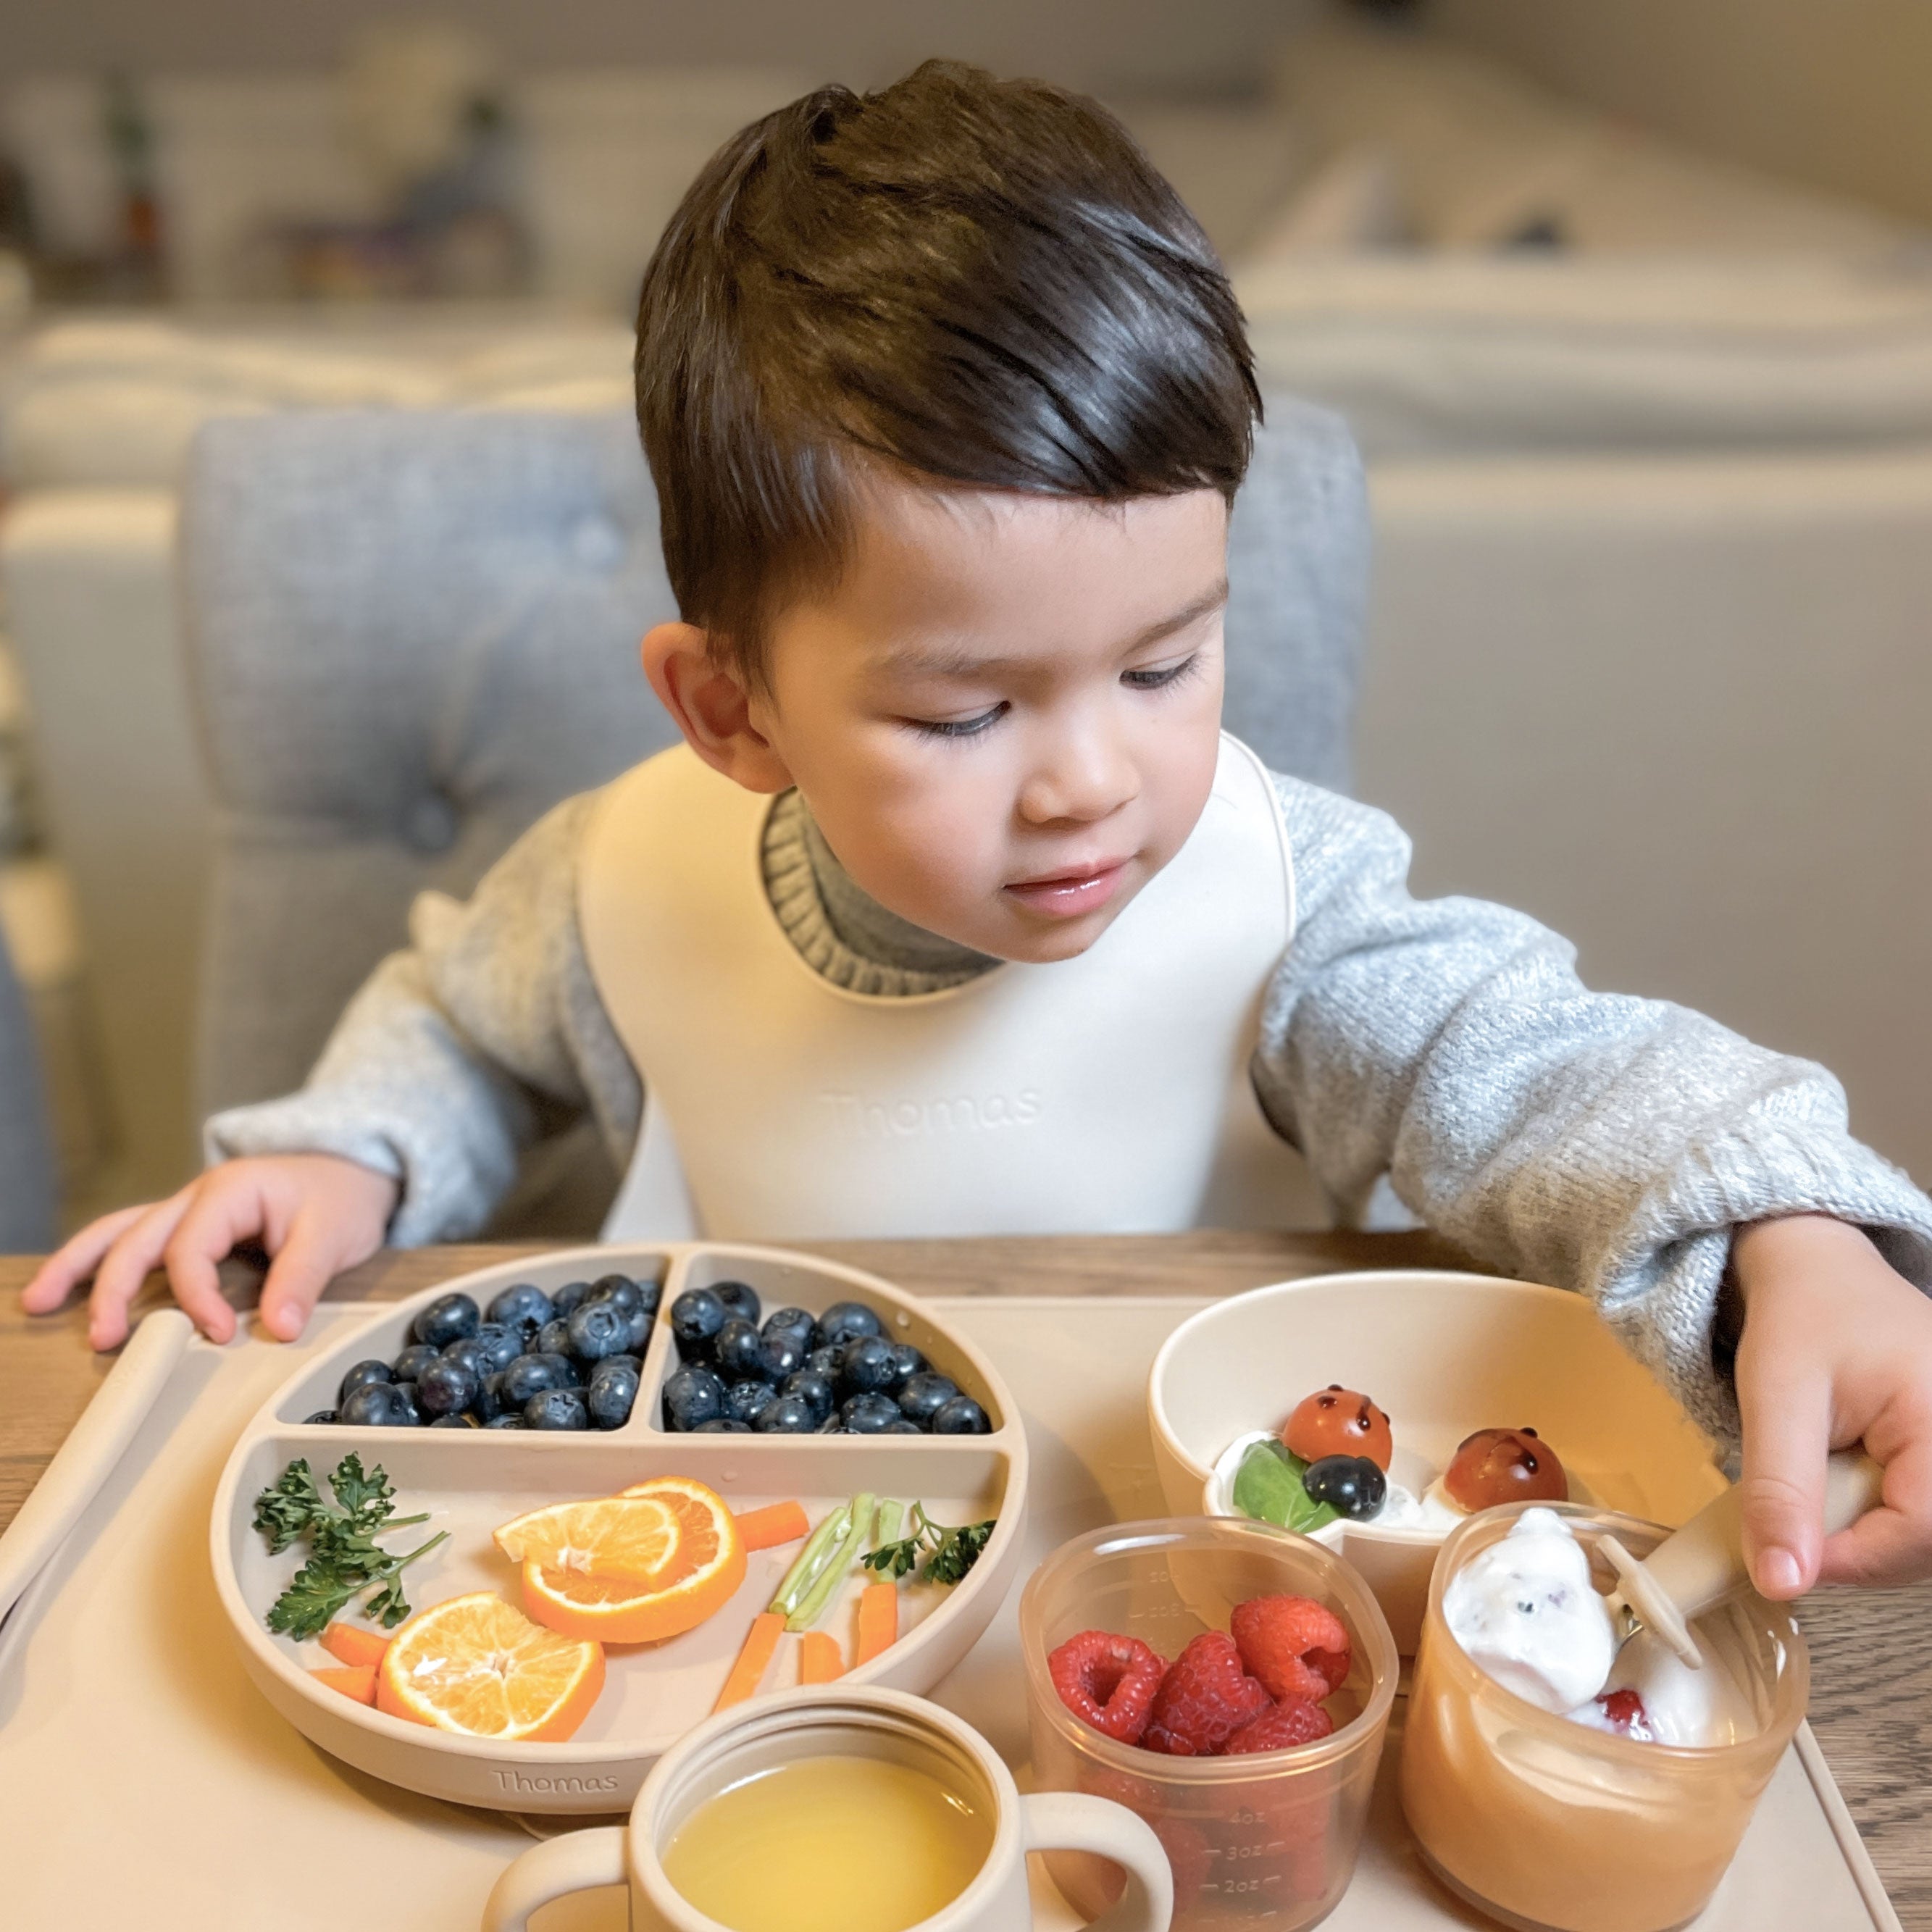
[352,1646]
[878,1621]
[355,1680]
[761,1642]
[775,1523]
[820,1661]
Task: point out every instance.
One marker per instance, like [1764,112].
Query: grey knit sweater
[1443,1047]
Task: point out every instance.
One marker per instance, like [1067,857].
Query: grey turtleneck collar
[840,930]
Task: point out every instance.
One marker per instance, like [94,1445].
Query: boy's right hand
[315,1213]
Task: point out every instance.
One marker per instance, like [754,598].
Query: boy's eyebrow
[939,661]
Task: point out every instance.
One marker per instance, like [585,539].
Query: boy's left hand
[1837,1349]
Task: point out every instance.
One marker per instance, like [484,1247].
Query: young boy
[946,398]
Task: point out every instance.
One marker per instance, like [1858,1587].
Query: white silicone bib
[1105,1093]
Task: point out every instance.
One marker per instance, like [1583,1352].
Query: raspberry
[1205,1697]
[1109,1682]
[1294,1646]
[1294,1721]
[1623,1711]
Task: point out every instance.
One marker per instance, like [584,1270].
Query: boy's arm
[1599,1142]
[459,1053]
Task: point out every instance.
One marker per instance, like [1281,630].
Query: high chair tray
[145,1780]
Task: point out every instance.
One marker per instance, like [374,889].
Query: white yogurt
[1526,1611]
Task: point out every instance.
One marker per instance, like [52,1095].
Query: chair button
[432,824]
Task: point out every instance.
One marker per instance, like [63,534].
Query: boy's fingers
[128,1264]
[1787,1422]
[76,1259]
[1891,1545]
[223,1212]
[300,1270]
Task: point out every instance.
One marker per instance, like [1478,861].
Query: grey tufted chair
[409,634]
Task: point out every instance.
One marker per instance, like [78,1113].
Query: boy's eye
[1161,675]
[959,727]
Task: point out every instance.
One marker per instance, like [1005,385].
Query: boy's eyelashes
[1157,677]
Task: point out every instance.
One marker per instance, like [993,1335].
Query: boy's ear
[712,708]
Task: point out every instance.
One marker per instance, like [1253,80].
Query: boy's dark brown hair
[981,282]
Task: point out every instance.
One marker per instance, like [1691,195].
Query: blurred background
[1627,303]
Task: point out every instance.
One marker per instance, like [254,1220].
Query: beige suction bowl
[1444,1355]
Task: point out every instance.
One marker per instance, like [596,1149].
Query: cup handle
[574,1862]
[1072,1821]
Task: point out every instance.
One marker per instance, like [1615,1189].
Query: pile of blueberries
[566,1360]
[835,1374]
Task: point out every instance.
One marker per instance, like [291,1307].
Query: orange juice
[830,1844]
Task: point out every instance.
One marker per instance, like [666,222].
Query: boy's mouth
[1077,889]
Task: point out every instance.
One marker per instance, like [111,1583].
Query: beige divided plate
[468,1481]
[144,1782]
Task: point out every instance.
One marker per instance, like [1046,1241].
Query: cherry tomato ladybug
[1335,1421]
[1505,1465]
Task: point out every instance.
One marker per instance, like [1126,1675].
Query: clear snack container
[1269,1839]
[1550,1826]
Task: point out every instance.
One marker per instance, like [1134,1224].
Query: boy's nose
[1083,781]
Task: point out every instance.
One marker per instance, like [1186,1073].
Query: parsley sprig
[948,1553]
[344,1560]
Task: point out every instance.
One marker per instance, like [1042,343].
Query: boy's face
[1005,716]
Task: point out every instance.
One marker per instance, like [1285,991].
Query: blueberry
[569,1372]
[458,1421]
[786,1415]
[902,1427]
[447,1319]
[361,1376]
[735,1349]
[556,1408]
[813,1388]
[926,1395]
[526,1376]
[696,1316]
[527,1331]
[598,1329]
[638,1330]
[612,1392]
[961,1416]
[865,1368]
[797,1323]
[694,1394]
[411,1363]
[619,1290]
[740,1298]
[448,1387]
[320,1418]
[378,1405]
[846,1320]
[513,1419]
[469,1354]
[868,1415]
[779,1356]
[1350,1485]
[723,1425]
[553,1338]
[525,1302]
[634,1362]
[747,1398]
[907,1362]
[571,1297]
[407,1392]
[823,1359]
[498,1344]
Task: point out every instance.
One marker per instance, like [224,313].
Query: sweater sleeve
[1596,1141]
[459,1052]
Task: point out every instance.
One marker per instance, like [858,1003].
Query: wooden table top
[1871,1652]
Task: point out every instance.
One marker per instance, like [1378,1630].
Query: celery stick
[811,1559]
[887,1528]
[831,1578]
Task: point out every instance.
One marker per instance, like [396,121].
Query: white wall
[1838,92]
[1141,46]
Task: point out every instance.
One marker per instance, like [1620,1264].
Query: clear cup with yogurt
[1531,1807]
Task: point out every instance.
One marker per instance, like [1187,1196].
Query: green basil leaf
[1268,1487]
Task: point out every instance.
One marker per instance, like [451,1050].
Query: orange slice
[478,1667]
[709,1566]
[634,1537]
